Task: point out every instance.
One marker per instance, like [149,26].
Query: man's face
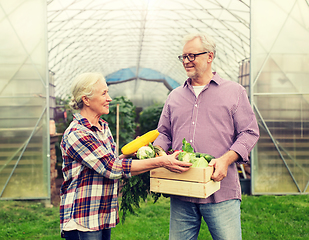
[197,68]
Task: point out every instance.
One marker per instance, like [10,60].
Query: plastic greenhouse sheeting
[135,44]
[139,40]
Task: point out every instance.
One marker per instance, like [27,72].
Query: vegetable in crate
[186,157]
[200,163]
[146,152]
[197,159]
[186,147]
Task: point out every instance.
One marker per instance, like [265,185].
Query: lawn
[263,217]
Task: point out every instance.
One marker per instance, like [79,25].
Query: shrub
[127,117]
[149,117]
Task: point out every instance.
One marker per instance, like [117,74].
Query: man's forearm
[230,157]
[222,163]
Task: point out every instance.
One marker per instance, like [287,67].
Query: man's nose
[185,60]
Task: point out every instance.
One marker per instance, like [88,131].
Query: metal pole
[117,129]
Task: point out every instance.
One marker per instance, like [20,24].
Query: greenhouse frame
[262,44]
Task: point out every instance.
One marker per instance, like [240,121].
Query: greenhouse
[262,44]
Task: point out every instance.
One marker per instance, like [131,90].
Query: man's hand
[221,165]
[220,169]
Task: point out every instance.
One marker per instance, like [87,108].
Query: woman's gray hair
[83,85]
[207,41]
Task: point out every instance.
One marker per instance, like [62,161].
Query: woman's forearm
[167,161]
[141,166]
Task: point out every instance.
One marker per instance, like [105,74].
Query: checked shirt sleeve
[98,153]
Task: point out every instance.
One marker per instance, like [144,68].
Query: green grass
[275,217]
[263,217]
[28,220]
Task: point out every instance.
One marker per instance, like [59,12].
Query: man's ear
[210,57]
[85,100]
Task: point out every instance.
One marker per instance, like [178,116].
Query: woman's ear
[85,100]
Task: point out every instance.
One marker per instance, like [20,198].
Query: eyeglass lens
[190,57]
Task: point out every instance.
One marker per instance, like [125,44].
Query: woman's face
[99,102]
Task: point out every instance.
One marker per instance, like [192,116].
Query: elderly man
[215,117]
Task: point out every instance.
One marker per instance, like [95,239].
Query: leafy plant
[134,190]
[63,105]
[149,117]
[137,187]
[127,117]
[61,126]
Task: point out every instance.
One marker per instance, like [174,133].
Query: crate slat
[201,175]
[184,188]
[195,182]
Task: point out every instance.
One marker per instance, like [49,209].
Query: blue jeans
[223,219]
[96,235]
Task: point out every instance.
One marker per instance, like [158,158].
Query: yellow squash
[137,143]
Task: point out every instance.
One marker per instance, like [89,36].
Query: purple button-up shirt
[218,120]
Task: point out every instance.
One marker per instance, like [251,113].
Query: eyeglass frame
[183,57]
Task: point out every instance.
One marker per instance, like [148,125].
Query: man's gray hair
[208,42]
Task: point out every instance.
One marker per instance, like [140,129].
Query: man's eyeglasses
[191,57]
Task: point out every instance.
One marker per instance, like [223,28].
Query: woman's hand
[167,161]
[172,164]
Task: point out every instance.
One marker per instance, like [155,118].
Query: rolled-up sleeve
[246,128]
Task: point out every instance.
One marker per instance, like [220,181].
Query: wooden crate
[195,182]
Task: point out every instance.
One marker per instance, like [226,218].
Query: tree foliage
[127,115]
[149,117]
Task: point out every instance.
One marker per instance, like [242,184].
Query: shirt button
[195,105]
[191,141]
[193,123]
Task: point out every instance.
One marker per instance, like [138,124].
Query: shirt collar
[84,121]
[216,79]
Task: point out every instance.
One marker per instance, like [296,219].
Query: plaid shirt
[91,170]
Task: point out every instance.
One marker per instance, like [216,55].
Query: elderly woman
[91,167]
